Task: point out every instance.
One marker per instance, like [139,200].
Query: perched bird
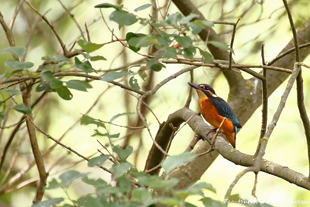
[214,109]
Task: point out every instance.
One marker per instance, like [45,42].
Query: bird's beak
[194,86]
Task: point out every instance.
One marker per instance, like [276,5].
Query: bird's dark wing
[224,110]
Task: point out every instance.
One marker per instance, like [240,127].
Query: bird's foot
[212,130]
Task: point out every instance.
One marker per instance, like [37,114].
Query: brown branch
[199,164]
[16,13]
[63,46]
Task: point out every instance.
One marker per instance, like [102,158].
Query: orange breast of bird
[210,114]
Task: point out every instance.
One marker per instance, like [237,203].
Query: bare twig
[63,46]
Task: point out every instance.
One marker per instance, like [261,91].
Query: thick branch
[188,173]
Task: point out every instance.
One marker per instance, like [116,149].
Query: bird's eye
[201,86]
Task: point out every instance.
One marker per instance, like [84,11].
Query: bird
[214,109]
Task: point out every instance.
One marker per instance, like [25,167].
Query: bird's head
[204,90]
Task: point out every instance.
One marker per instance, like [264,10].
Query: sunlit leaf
[89,46]
[145,6]
[175,161]
[173,19]
[16,65]
[112,75]
[123,17]
[78,85]
[22,108]
[107,5]
[17,51]
[99,160]
[64,93]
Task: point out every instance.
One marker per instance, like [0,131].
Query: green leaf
[89,46]
[112,75]
[17,51]
[220,45]
[174,18]
[170,52]
[147,41]
[210,202]
[53,184]
[13,91]
[64,93]
[42,87]
[78,85]
[207,57]
[85,120]
[145,6]
[198,25]
[188,18]
[168,201]
[121,114]
[134,83]
[175,161]
[22,108]
[157,67]
[119,170]
[107,5]
[2,115]
[69,176]
[123,153]
[195,189]
[189,52]
[123,17]
[85,66]
[48,203]
[16,65]
[47,77]
[184,41]
[99,160]
[97,182]
[89,201]
[97,57]
[124,184]
[97,133]
[141,195]
[157,182]
[133,39]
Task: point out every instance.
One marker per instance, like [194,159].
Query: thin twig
[63,46]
